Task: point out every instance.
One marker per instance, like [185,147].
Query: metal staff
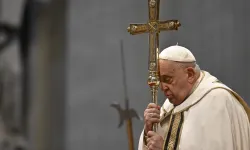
[153,27]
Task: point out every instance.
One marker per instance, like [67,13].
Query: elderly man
[200,113]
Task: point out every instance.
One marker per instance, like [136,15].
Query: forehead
[167,67]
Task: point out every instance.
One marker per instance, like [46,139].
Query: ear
[191,74]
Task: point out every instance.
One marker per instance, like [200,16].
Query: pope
[200,112]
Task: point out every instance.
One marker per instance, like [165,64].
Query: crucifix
[153,27]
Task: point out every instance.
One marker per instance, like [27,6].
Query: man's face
[175,81]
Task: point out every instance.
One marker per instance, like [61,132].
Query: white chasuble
[213,117]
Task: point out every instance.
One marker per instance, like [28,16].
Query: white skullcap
[177,53]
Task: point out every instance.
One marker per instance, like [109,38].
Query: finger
[149,143]
[148,140]
[152,110]
[152,115]
[150,121]
[150,134]
[153,142]
[157,147]
[153,105]
[152,146]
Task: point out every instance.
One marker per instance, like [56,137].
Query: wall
[215,31]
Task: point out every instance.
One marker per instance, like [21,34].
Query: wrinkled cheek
[163,86]
[181,94]
[176,93]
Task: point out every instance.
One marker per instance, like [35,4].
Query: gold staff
[153,27]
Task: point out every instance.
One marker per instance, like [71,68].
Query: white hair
[197,68]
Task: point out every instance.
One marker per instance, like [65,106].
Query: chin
[174,102]
[171,100]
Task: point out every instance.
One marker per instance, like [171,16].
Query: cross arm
[169,25]
[137,28]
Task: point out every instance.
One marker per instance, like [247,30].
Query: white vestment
[211,118]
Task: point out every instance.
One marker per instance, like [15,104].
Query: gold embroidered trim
[165,136]
[179,138]
[173,135]
[175,132]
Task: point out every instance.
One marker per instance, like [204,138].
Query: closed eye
[166,79]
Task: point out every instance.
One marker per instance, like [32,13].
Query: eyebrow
[165,76]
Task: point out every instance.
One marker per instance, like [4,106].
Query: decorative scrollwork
[153,26]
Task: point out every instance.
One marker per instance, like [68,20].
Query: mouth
[169,96]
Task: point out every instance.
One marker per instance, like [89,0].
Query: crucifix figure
[153,27]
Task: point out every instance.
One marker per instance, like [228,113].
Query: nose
[164,86]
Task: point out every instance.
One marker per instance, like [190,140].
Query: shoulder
[215,100]
[213,106]
[219,95]
[219,92]
[222,99]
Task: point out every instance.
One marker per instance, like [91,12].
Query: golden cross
[153,27]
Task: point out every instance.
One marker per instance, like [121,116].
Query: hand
[154,141]
[151,116]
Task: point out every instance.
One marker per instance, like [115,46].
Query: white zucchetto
[177,53]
